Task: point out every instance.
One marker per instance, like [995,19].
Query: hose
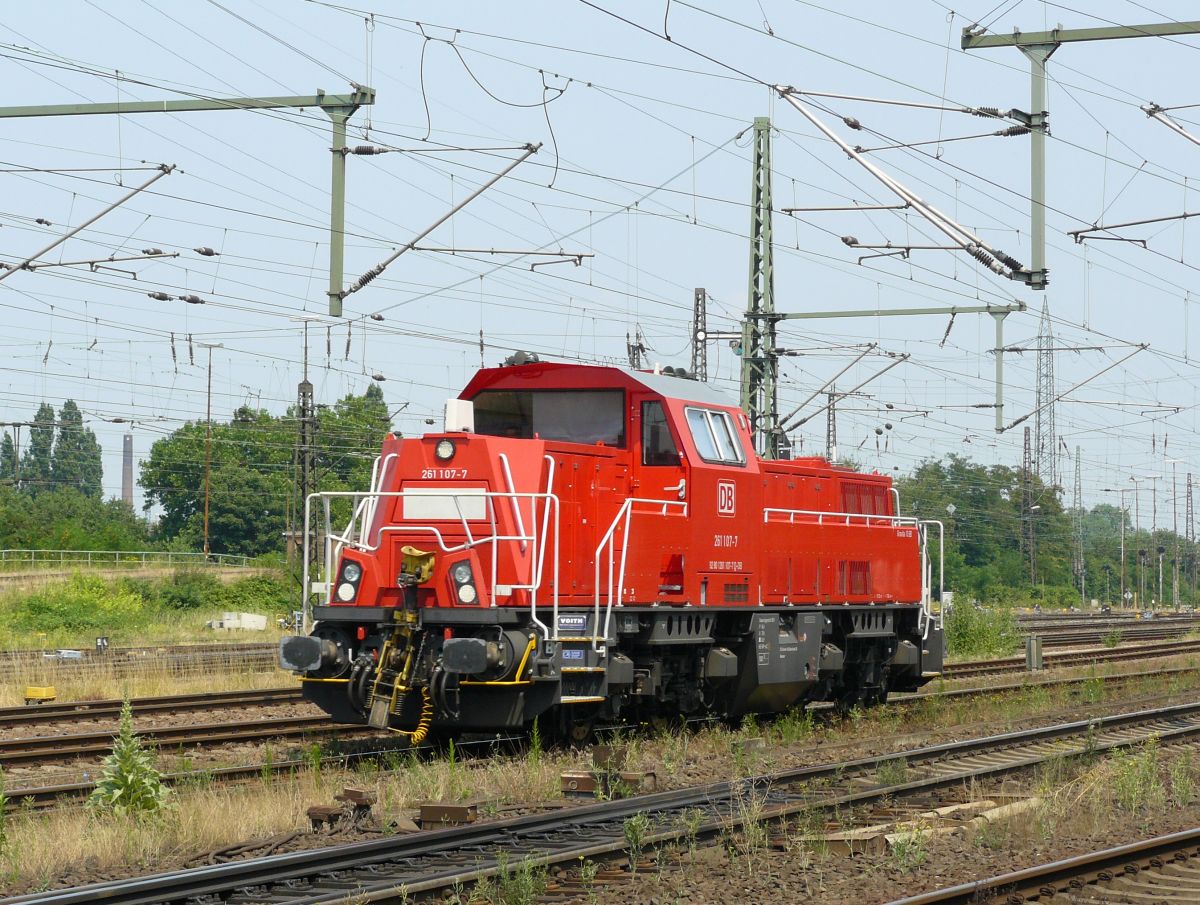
[425,720]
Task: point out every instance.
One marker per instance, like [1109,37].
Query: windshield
[576,416]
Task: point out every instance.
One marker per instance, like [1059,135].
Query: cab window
[577,416]
[658,446]
[715,437]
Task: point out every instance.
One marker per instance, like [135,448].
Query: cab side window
[658,446]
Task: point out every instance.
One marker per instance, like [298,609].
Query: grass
[136,611]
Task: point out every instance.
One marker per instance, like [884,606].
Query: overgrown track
[393,869]
[50,748]
[1164,869]
[92,710]
[1072,658]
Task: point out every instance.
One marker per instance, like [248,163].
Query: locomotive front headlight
[351,571]
[461,572]
[345,592]
[466,594]
[444,450]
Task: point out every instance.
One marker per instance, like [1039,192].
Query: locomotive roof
[662,384]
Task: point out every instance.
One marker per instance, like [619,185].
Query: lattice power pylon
[760,359]
[700,335]
[1045,438]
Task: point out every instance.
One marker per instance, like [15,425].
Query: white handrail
[622,518]
[516,507]
[335,542]
[822,514]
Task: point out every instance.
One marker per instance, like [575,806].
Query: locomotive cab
[587,543]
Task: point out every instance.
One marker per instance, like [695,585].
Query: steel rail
[1071,658]
[88,710]
[44,748]
[1084,875]
[389,869]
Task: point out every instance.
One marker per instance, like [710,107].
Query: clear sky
[644,164]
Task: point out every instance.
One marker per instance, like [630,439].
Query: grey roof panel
[679,388]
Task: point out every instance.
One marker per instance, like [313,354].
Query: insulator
[206,251]
[117,420]
[376,316]
[378,377]
[1010,261]
[982,255]
[152,251]
[888,425]
[42,221]
[990,112]
[159,296]
[879,431]
[368,149]
[192,299]
[852,122]
[368,276]
[850,240]
[1013,130]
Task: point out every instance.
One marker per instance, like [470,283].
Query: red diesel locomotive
[585,544]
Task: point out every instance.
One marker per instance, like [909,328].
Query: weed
[130,784]
[910,847]
[267,770]
[1093,689]
[1136,781]
[1183,782]
[635,829]
[1113,638]
[891,772]
[993,834]
[795,725]
[313,757]
[522,885]
[3,816]
[587,877]
[691,820]
[535,743]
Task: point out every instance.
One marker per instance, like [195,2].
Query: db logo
[726,497]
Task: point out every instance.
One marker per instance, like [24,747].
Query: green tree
[8,460]
[37,462]
[76,460]
[253,471]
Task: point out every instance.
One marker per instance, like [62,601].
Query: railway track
[1161,870]
[90,710]
[394,869]
[44,749]
[1072,658]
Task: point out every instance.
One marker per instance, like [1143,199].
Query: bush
[977,632]
[83,603]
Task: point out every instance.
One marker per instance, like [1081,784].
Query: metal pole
[999,352]
[1038,54]
[163,171]
[337,208]
[207,451]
